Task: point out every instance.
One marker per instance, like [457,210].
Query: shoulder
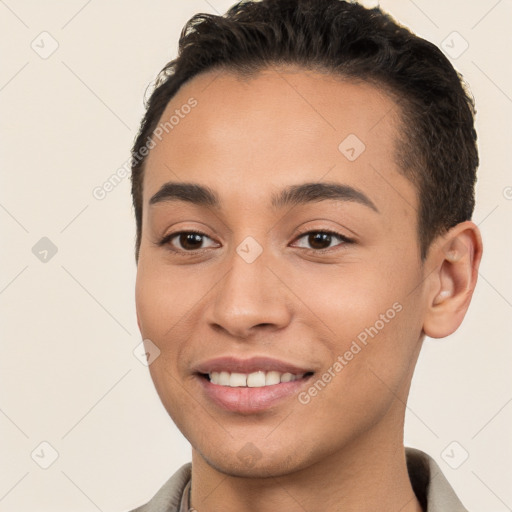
[168,498]
[431,487]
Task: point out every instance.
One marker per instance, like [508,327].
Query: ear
[455,258]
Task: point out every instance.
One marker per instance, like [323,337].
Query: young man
[303,183]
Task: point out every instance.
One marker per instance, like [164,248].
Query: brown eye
[322,240]
[186,241]
[190,241]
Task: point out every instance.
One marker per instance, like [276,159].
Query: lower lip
[250,400]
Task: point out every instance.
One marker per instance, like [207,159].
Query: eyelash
[185,253]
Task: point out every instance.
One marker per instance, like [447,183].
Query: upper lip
[253,364]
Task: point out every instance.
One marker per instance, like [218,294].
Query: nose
[251,297]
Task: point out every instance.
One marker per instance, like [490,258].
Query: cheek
[168,300]
[165,299]
[162,303]
[370,319]
[350,298]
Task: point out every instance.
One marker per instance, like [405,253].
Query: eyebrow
[293,195]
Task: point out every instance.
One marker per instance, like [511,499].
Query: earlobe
[455,257]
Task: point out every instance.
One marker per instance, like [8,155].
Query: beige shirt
[430,485]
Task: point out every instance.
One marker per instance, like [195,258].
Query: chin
[250,462]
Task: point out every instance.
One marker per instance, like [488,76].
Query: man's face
[263,290]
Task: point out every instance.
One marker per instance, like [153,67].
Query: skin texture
[247,139]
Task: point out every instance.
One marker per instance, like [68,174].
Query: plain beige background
[69,376]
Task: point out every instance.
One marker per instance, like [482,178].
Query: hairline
[402,143]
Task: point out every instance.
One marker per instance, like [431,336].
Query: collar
[431,487]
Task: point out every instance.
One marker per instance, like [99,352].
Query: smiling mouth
[258,379]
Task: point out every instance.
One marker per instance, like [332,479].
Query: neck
[368,474]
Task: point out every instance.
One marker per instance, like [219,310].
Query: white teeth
[252,380]
[272,378]
[224,378]
[256,380]
[238,380]
[221,378]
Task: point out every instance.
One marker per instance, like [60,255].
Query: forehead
[280,126]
